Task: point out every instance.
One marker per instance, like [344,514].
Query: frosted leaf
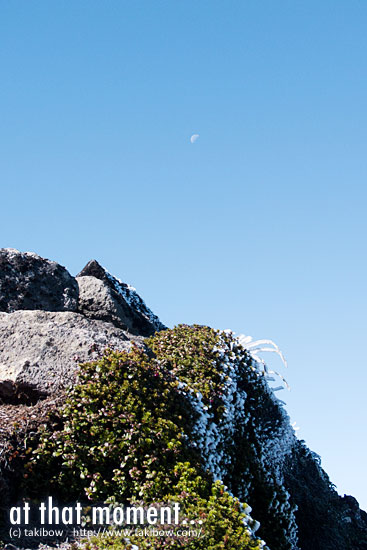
[255,347]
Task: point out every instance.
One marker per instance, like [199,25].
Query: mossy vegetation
[161,424]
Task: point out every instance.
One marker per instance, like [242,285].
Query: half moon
[194,137]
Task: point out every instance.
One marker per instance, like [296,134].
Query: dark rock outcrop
[28,281]
[325,520]
[103,297]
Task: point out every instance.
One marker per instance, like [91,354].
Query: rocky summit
[100,402]
[103,297]
[50,321]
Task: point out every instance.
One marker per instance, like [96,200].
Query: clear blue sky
[259,226]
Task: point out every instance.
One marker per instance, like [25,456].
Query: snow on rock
[216,436]
[102,296]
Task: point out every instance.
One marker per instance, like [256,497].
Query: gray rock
[39,350]
[28,281]
[96,301]
[103,297]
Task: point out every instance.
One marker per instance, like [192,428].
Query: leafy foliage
[155,425]
[122,432]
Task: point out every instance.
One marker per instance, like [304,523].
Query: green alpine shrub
[179,422]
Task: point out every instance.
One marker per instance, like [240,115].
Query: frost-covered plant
[173,423]
[242,432]
[255,347]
